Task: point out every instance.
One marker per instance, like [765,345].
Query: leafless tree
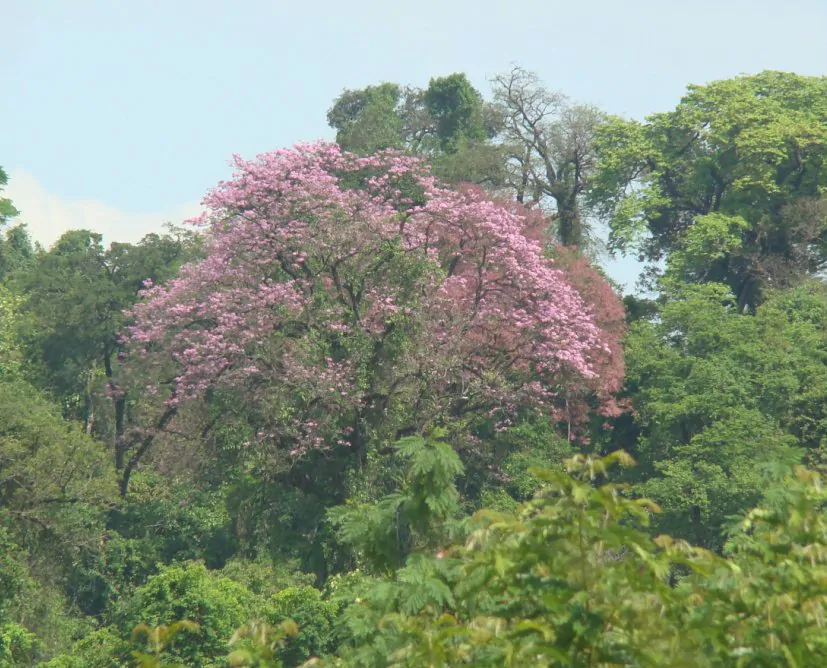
[550,146]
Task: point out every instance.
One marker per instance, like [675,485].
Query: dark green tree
[189,592]
[72,317]
[370,119]
[17,253]
[457,110]
[449,123]
[49,469]
[726,402]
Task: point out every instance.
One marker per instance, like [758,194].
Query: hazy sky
[119,114]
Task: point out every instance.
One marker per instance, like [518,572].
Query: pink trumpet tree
[354,296]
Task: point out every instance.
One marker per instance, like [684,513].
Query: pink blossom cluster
[338,278]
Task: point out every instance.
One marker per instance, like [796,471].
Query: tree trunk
[745,293]
[120,412]
[119,401]
[142,447]
[569,225]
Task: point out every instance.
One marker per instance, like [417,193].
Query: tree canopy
[727,187]
[381,406]
[353,291]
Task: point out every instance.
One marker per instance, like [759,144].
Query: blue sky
[119,114]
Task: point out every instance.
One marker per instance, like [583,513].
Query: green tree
[18,646]
[11,353]
[411,517]
[72,316]
[314,618]
[726,402]
[457,110]
[769,610]
[570,578]
[56,484]
[726,187]
[573,578]
[449,122]
[190,592]
[369,119]
[16,249]
[17,253]
[50,471]
[102,648]
[7,210]
[165,519]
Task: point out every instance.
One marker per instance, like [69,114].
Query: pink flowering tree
[355,299]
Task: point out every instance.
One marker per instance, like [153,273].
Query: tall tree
[360,301]
[727,187]
[72,316]
[48,467]
[17,252]
[550,150]
[374,118]
[11,353]
[457,110]
[449,122]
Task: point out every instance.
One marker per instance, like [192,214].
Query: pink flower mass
[351,283]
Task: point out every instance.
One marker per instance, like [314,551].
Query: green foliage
[457,108]
[770,610]
[17,253]
[52,475]
[36,619]
[258,643]
[725,401]
[266,579]
[14,574]
[102,648]
[7,210]
[189,592]
[18,646]
[274,519]
[314,617]
[368,120]
[187,523]
[431,481]
[573,578]
[448,122]
[728,185]
[11,354]
[75,295]
[412,517]
[569,579]
[159,641]
[110,573]
[532,443]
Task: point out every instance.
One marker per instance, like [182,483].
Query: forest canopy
[381,405]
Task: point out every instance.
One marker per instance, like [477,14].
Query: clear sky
[119,114]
